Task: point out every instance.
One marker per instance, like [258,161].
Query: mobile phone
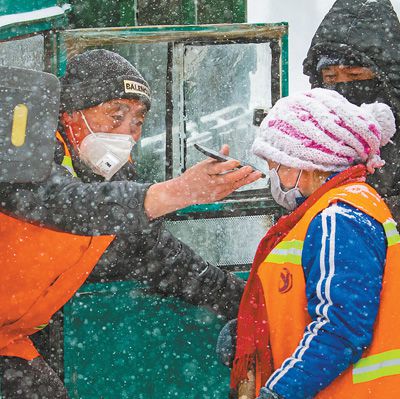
[222,158]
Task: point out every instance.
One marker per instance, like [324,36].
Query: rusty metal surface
[78,40]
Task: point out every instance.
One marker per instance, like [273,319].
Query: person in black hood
[356,52]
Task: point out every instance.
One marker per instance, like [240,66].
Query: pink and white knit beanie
[321,130]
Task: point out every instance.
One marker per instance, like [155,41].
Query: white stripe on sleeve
[323,291]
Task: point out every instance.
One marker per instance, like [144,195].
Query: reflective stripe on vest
[377,366]
[392,235]
[41,327]
[67,159]
[286,252]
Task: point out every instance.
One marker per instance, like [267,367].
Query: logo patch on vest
[286,281]
[131,86]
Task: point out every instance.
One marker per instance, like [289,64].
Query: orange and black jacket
[141,250]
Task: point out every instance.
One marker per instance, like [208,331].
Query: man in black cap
[104,102]
[356,51]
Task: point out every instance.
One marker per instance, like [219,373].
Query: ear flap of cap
[29,109]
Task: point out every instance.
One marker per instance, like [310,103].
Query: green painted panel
[98,13]
[219,12]
[13,7]
[17,30]
[243,206]
[160,12]
[29,27]
[243,275]
[189,12]
[186,12]
[123,343]
[285,65]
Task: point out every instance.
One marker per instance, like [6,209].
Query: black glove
[233,394]
[226,343]
[266,393]
[221,290]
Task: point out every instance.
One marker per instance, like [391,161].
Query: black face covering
[359,91]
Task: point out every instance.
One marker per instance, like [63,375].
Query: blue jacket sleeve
[343,258]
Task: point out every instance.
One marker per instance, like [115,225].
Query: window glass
[223,84]
[24,53]
[149,154]
[220,240]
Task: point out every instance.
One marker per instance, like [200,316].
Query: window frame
[70,42]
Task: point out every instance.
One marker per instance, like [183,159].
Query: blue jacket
[357,264]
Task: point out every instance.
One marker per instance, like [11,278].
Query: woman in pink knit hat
[319,316]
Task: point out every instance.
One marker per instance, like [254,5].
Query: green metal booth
[116,339]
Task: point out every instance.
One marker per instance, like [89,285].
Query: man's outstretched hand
[207,181]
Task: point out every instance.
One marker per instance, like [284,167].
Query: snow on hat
[321,130]
[336,58]
[98,76]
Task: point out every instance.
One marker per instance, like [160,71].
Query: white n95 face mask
[286,199]
[105,153]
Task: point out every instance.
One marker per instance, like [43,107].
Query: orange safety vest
[377,373]
[41,269]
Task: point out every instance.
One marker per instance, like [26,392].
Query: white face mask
[287,199]
[105,153]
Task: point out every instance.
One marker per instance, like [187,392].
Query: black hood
[364,30]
